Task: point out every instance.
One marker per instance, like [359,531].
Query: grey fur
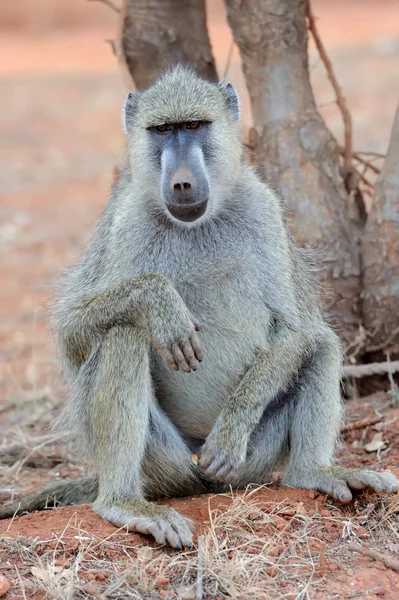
[268,389]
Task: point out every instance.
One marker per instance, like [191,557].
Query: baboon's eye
[193,124]
[163,128]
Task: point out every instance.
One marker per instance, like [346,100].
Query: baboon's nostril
[186,185]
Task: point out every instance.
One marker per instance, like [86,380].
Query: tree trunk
[158,33]
[380,254]
[294,150]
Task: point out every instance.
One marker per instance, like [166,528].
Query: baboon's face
[180,150]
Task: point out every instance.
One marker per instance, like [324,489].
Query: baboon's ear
[231,99]
[128,111]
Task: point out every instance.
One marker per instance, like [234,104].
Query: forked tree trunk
[294,150]
[158,33]
[380,253]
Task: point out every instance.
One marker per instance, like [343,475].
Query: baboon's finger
[214,467]
[197,347]
[166,355]
[188,352]
[179,358]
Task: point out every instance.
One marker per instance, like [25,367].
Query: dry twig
[376,368]
[362,424]
[323,562]
[108,3]
[386,560]
[200,572]
[341,102]
[390,339]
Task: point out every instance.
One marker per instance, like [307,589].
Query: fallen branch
[341,102]
[362,424]
[108,3]
[381,368]
[386,560]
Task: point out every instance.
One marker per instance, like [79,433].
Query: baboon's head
[184,139]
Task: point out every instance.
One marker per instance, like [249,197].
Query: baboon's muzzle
[187,199]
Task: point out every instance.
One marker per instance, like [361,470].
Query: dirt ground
[61,93]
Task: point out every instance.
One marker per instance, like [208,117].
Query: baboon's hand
[174,331]
[338,481]
[223,454]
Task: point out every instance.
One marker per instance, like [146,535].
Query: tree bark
[380,254]
[158,33]
[294,150]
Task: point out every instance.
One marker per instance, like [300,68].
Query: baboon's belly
[194,400]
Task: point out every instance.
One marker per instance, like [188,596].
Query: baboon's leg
[168,470]
[123,410]
[268,444]
[314,429]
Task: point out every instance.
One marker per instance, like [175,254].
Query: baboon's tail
[65,493]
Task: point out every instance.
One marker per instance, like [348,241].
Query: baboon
[192,326]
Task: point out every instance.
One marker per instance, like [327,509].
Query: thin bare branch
[367,163]
[229,58]
[346,116]
[371,153]
[108,3]
[364,179]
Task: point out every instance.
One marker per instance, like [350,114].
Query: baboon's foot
[338,481]
[164,523]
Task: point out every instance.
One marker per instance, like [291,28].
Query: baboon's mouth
[187,212]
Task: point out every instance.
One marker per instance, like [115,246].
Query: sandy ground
[60,100]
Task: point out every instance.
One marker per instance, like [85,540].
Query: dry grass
[251,550]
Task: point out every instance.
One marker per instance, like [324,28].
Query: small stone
[272,571]
[4,585]
[186,592]
[283,583]
[161,582]
[288,512]
[362,533]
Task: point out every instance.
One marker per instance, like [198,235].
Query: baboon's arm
[149,298]
[272,371]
